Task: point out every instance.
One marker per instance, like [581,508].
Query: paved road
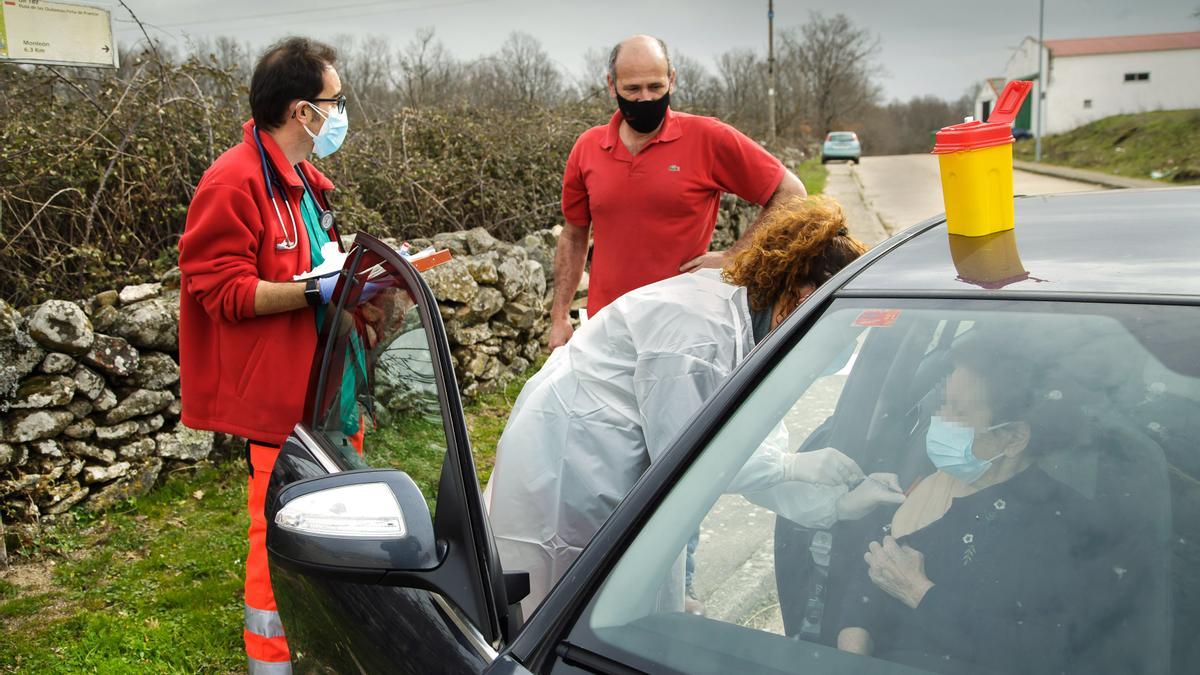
[902,190]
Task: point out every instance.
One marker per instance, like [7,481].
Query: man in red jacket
[247,331]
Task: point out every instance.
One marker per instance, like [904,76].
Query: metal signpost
[56,34]
[1041,82]
[770,73]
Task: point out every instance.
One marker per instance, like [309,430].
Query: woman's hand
[898,571]
[877,489]
[825,466]
[855,640]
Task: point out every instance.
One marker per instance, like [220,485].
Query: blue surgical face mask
[949,448]
[332,133]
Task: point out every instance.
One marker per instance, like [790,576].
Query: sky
[938,47]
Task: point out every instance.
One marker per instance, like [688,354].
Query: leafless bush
[97,167]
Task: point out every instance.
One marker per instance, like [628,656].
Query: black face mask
[644,116]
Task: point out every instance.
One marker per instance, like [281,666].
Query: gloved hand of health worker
[875,490]
[826,466]
[327,283]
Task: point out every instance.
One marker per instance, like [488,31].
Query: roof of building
[997,84]
[1119,44]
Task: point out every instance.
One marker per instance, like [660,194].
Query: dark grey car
[1095,569]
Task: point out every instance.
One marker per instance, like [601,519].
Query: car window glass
[841,137]
[380,407]
[1065,541]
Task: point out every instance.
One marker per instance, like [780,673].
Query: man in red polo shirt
[650,183]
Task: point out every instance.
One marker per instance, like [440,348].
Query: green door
[1025,114]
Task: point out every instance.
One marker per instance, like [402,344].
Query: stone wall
[734,217]
[89,401]
[89,389]
[495,300]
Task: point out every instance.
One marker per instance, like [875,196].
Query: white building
[1092,78]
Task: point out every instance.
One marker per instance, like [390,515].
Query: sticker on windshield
[877,318]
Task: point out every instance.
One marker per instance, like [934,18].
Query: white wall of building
[1100,79]
[1023,63]
[983,94]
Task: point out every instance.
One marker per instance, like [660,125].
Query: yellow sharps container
[977,168]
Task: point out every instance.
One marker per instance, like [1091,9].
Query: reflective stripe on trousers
[257,667]
[263,622]
[266,646]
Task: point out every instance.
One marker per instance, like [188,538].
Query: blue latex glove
[326,285]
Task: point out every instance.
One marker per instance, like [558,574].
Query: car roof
[1116,242]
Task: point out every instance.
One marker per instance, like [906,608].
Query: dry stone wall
[89,401]
[494,298]
[89,389]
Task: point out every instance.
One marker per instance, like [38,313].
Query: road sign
[56,33]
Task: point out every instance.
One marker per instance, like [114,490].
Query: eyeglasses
[340,100]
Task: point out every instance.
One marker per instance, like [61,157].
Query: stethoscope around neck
[324,216]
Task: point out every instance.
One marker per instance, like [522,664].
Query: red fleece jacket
[240,373]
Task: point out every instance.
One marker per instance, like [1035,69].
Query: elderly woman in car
[980,567]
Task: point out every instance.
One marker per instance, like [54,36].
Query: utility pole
[770,73]
[1041,83]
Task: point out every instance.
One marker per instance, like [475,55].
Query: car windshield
[841,136]
[1047,461]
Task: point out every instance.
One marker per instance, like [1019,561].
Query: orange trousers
[266,646]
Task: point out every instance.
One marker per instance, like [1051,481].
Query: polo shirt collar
[286,172]
[669,131]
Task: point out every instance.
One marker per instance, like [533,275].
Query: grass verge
[1162,145]
[155,585]
[812,173]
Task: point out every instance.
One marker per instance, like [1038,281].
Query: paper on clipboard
[335,260]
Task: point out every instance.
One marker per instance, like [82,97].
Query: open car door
[381,557]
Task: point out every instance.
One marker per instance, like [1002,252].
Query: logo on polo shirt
[673,167]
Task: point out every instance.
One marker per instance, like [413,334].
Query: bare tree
[908,126]
[837,59]
[741,77]
[696,88]
[522,71]
[792,101]
[426,72]
[225,53]
[366,68]
[593,82]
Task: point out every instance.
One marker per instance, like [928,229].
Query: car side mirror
[355,525]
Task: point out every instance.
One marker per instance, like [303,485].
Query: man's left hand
[898,571]
[712,259]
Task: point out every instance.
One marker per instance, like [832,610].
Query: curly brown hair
[800,242]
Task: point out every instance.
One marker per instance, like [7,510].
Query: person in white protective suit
[608,403]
